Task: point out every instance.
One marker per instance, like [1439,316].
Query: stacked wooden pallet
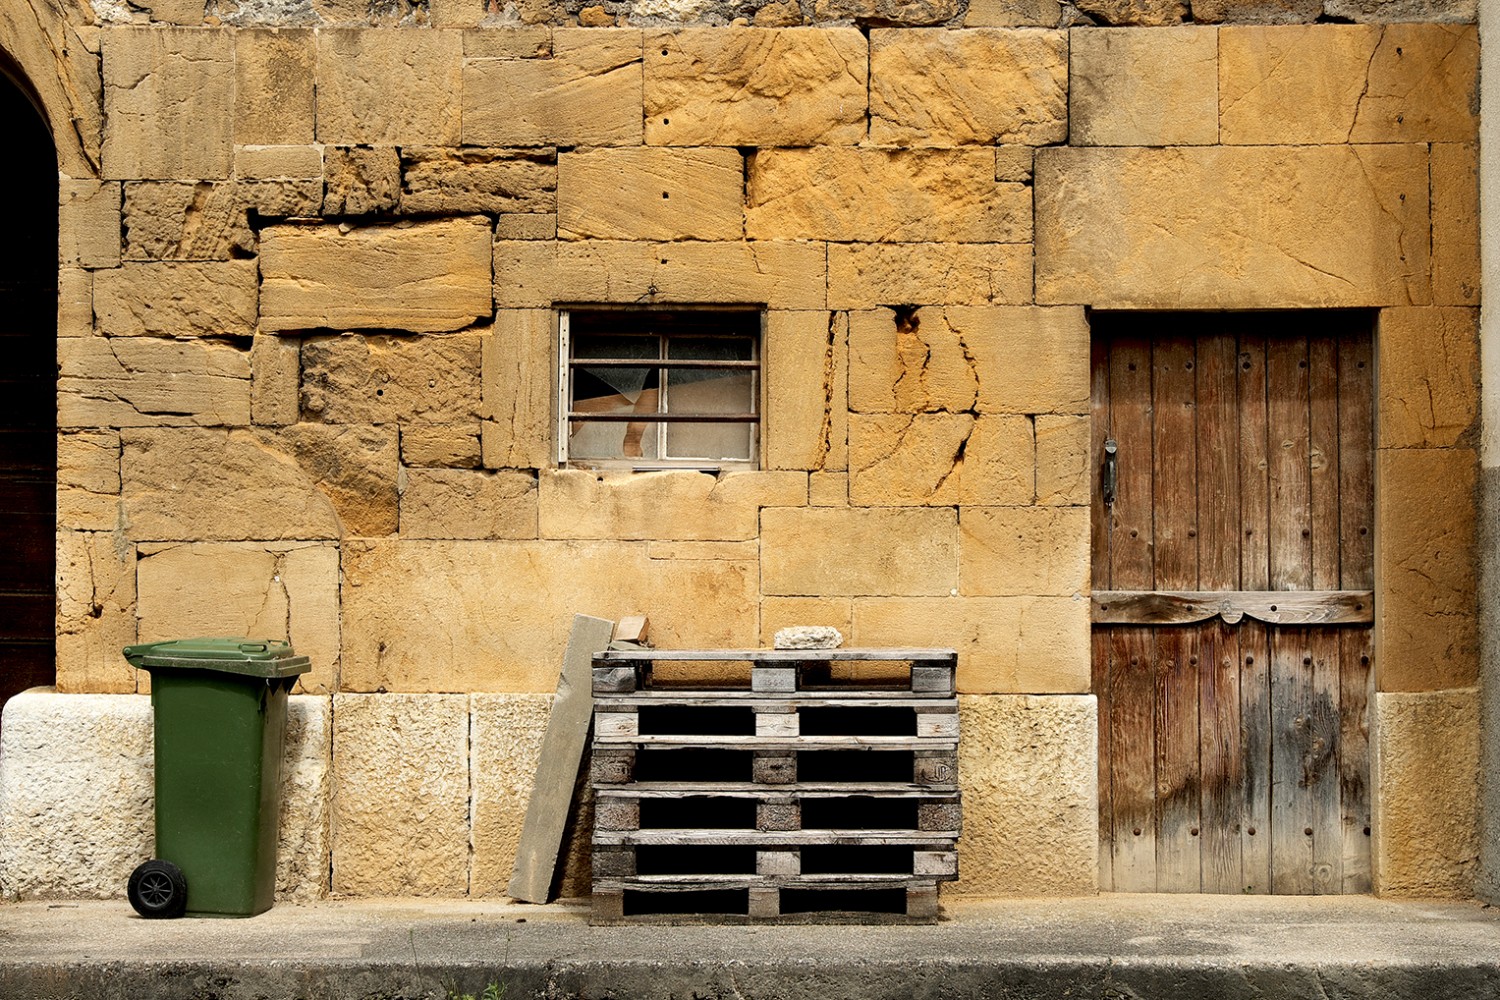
[804,794]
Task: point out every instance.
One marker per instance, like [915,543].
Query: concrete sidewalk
[1104,947]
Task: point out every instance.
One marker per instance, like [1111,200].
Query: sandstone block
[884,196]
[88,481]
[517,404]
[274,74]
[1157,88]
[432,615]
[1113,231]
[786,14]
[1015,163]
[174,221]
[303,855]
[358,180]
[149,381]
[424,277]
[167,99]
[95,612]
[588,93]
[277,162]
[88,223]
[1013,14]
[956,88]
[526,227]
[1063,473]
[1455,224]
[454,13]
[756,87]
[806,391]
[1334,83]
[1257,11]
[1425,618]
[818,551]
[478,180]
[828,489]
[270,590]
[1028,767]
[280,199]
[510,41]
[454,446]
[910,13]
[209,299]
[1380,11]
[505,744]
[275,380]
[777,613]
[783,275]
[1033,645]
[462,503]
[896,459]
[866,275]
[400,794]
[1427,816]
[808,637]
[1018,551]
[75,302]
[381,379]
[688,505]
[396,87]
[653,194]
[1429,377]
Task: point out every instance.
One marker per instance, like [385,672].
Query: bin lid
[268,658]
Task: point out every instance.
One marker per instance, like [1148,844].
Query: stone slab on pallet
[780,671]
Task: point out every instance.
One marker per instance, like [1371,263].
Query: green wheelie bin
[220,707]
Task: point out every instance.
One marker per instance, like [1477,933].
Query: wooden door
[1232,600]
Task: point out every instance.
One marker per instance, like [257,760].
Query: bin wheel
[158,890]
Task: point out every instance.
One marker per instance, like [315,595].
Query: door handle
[1111,478]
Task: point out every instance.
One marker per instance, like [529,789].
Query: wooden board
[1286,607]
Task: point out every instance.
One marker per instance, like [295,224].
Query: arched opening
[28,386]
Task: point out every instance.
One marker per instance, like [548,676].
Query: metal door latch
[1111,477]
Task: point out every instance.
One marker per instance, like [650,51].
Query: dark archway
[28,397]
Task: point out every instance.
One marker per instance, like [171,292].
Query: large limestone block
[303,852]
[866,275]
[1381,11]
[439,179]
[817,551]
[1153,88]
[1351,227]
[88,223]
[505,743]
[307,481]
[781,274]
[1259,11]
[756,87]
[1427,779]
[587,93]
[172,299]
[358,180]
[88,481]
[686,505]
[1016,551]
[651,194]
[395,86]
[168,220]
[55,49]
[453,446]
[1028,767]
[1333,83]
[274,74]
[285,590]
[1429,377]
[275,380]
[95,611]
[508,41]
[1013,14]
[1426,630]
[424,277]
[517,402]
[884,196]
[1455,223]
[1032,645]
[150,382]
[462,503]
[168,103]
[278,162]
[897,12]
[380,379]
[1063,460]
[75,302]
[897,459]
[400,794]
[1136,13]
[494,616]
[954,88]
[806,391]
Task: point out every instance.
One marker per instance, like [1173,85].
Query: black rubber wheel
[157,890]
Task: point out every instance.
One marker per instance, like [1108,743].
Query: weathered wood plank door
[1232,574]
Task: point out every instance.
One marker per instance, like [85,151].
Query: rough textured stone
[1257,11]
[912,13]
[1455,224]
[358,180]
[508,41]
[393,86]
[808,637]
[168,95]
[867,275]
[517,403]
[983,85]
[88,223]
[505,743]
[1426,797]
[577,503]
[303,854]
[1015,163]
[588,93]
[211,299]
[1379,11]
[400,794]
[939,459]
[55,49]
[526,227]
[828,489]
[1019,551]
[806,415]
[88,481]
[777,613]
[1425,616]
[884,196]
[379,379]
[75,302]
[460,503]
[275,380]
[1029,773]
[1348,83]
[794,87]
[277,162]
[1429,377]
[1113,230]
[1063,471]
[783,275]
[817,551]
[494,616]
[274,74]
[284,591]
[424,277]
[177,221]
[148,381]
[95,611]
[1155,88]
[1136,13]
[1031,645]
[652,194]
[283,198]
[478,180]
[1013,14]
[454,446]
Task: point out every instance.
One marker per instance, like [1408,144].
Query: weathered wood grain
[1356,462]
[1291,530]
[1286,607]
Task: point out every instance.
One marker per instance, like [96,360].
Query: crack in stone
[1360,100]
[825,432]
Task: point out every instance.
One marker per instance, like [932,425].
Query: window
[659,389]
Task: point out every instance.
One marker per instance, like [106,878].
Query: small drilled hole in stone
[1307,661]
